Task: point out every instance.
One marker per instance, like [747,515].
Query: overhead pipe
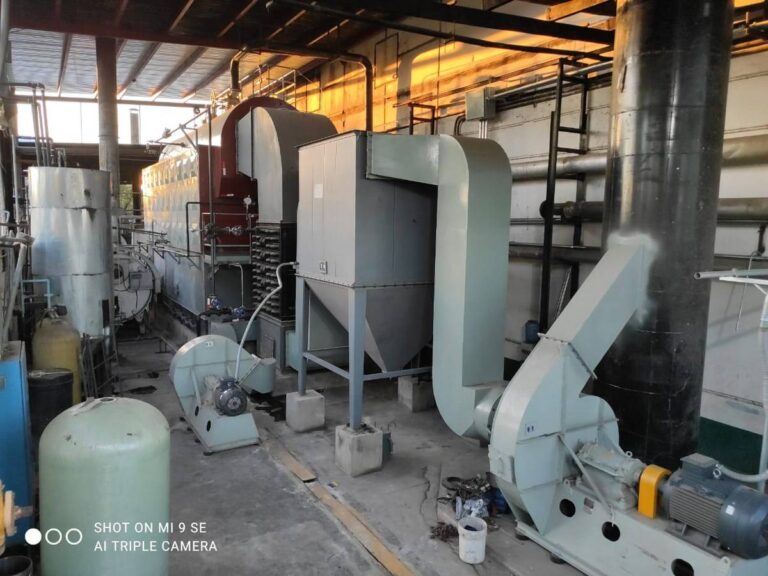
[728,210]
[670,83]
[599,68]
[234,73]
[364,61]
[738,151]
[591,255]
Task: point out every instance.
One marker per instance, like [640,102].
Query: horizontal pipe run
[592,254]
[714,274]
[738,151]
[728,210]
[600,67]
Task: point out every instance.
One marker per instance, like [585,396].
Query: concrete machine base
[415,394]
[305,412]
[359,451]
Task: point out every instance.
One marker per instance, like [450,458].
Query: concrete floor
[264,521]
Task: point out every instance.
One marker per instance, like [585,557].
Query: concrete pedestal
[415,394]
[359,451]
[305,412]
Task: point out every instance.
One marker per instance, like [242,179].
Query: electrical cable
[258,309]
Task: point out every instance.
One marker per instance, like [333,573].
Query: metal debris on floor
[474,496]
[444,531]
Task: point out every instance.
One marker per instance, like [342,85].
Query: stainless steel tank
[71,222]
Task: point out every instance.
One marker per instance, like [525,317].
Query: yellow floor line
[345,514]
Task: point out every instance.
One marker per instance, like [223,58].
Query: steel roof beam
[215,72]
[66,45]
[180,15]
[240,15]
[450,36]
[176,73]
[481,18]
[566,9]
[138,67]
[120,12]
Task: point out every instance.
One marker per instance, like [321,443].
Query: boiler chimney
[670,80]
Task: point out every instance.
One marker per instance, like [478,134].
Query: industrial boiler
[220,215]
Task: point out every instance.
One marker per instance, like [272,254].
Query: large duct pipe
[738,151]
[728,210]
[670,82]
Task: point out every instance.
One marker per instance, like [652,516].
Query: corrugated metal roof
[32,56]
[150,63]
[80,77]
[178,49]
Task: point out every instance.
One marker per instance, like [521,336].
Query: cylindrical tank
[56,344]
[70,220]
[670,80]
[50,393]
[104,473]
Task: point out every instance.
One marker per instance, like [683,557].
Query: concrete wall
[415,68]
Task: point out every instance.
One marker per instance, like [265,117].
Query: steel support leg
[302,330]
[357,303]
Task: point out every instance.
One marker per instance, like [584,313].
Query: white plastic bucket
[472,535]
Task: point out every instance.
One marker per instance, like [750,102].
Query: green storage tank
[104,476]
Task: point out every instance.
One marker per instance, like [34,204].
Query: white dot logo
[33,536]
[54,536]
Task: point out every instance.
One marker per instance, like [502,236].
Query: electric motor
[718,507]
[229,398]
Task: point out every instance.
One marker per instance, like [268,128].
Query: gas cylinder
[56,344]
[105,488]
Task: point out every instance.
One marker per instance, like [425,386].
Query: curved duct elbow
[473,205]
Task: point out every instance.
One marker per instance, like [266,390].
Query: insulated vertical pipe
[670,81]
[109,152]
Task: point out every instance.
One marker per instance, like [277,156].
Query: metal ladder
[555,129]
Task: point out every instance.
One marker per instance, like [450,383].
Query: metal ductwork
[670,82]
[473,203]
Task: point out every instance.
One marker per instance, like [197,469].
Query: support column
[109,153]
[357,305]
[304,410]
[302,333]
[359,449]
